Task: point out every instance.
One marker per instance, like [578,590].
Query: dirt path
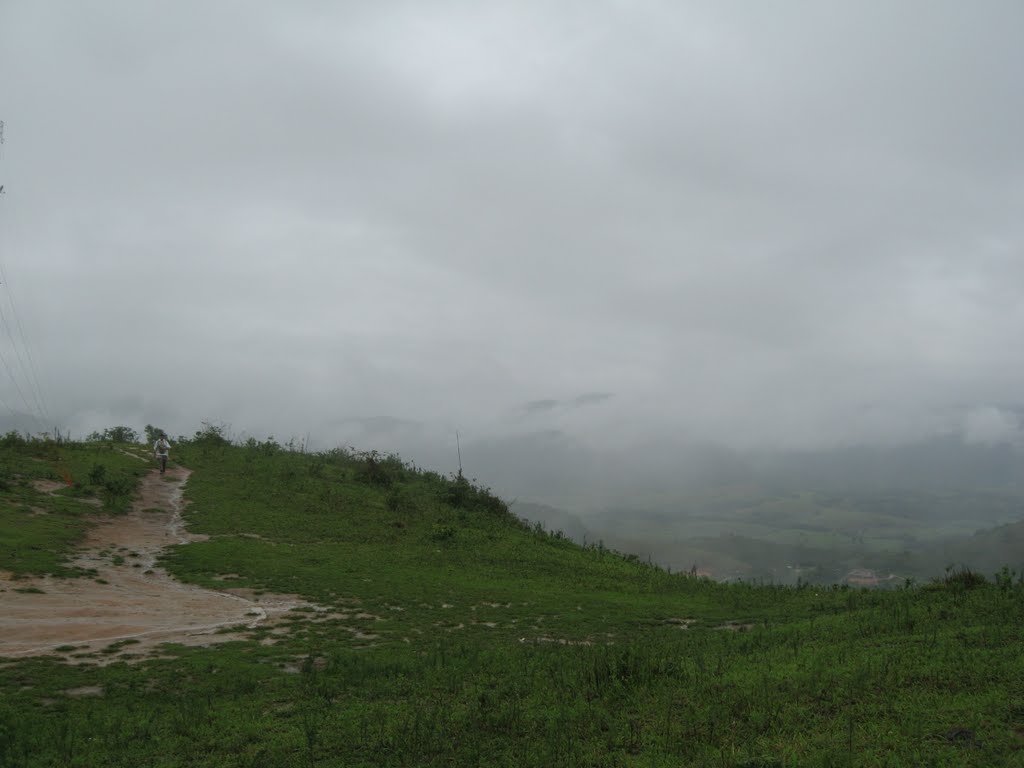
[130,598]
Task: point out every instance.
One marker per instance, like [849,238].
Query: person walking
[161,448]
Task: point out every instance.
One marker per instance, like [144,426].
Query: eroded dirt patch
[735,626]
[48,486]
[130,597]
[86,691]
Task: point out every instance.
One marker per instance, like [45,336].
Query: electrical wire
[31,372]
[37,410]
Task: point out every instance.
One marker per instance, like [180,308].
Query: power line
[24,368]
[28,370]
[31,384]
[9,409]
[28,353]
[17,386]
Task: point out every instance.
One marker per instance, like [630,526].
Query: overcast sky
[785,223]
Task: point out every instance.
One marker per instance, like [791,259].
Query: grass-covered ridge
[371,528]
[457,635]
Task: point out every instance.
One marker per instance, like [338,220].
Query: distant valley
[867,516]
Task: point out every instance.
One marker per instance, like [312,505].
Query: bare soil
[139,601]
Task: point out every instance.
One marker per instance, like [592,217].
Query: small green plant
[395,501]
[963,579]
[377,470]
[1004,578]
[13,439]
[119,487]
[443,532]
[98,474]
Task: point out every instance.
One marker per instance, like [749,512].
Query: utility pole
[458,447]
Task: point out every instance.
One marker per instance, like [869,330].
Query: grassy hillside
[47,493]
[444,631]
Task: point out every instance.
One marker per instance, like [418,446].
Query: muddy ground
[130,597]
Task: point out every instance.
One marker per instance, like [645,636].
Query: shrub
[119,486]
[13,439]
[121,434]
[962,578]
[394,500]
[268,447]
[460,493]
[97,474]
[380,471]
[442,532]
[210,434]
[457,492]
[1004,578]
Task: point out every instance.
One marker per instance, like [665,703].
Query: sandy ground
[139,600]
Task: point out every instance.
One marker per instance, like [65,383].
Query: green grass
[41,527]
[456,635]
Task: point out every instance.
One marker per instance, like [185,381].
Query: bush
[394,501]
[460,493]
[210,434]
[380,471]
[13,440]
[120,434]
[97,474]
[1004,578]
[457,492]
[441,532]
[268,447]
[119,486]
[962,578]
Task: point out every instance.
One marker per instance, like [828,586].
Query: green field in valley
[765,535]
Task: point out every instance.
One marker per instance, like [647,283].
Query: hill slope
[441,630]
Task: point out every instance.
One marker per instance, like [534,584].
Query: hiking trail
[129,597]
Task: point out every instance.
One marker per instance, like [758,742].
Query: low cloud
[992,426]
[548,405]
[592,398]
[540,406]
